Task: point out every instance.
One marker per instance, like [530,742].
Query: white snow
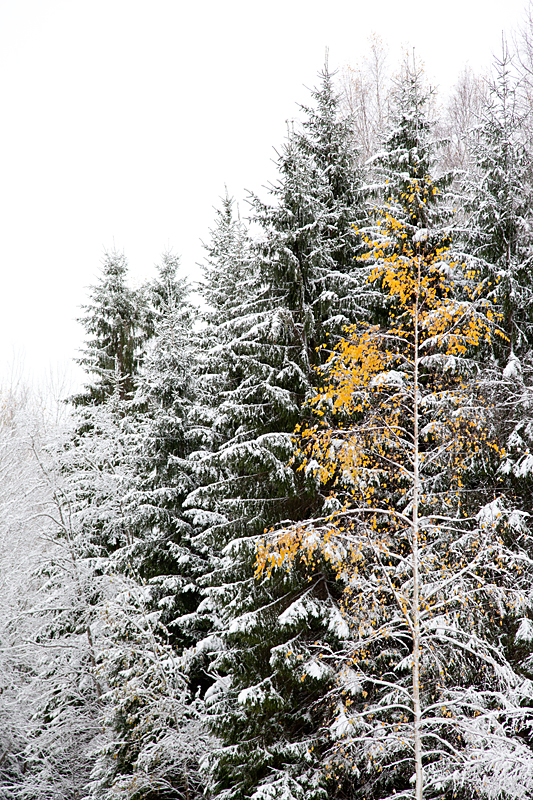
[525,631]
[513,368]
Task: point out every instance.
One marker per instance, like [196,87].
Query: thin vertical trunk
[416,577]
[92,657]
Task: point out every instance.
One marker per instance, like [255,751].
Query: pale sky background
[123,119]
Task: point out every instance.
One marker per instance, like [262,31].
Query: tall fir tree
[499,236]
[404,169]
[114,324]
[499,250]
[162,406]
[155,741]
[301,284]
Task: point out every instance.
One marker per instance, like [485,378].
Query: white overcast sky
[123,119]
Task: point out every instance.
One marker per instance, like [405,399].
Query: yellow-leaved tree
[435,564]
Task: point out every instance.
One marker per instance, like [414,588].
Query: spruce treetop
[113,321]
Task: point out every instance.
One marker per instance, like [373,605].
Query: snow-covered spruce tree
[270,309]
[499,249]
[99,460]
[500,201]
[235,298]
[114,322]
[229,273]
[156,739]
[309,241]
[301,284]
[165,434]
[433,563]
[94,476]
[405,181]
[124,444]
[499,244]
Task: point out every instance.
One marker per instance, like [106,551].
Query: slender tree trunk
[416,577]
[93,663]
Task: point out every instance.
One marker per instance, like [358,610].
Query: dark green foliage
[114,322]
[161,552]
[500,224]
[300,283]
[408,182]
[309,237]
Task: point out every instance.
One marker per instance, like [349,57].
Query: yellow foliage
[373,378]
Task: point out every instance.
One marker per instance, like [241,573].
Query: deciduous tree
[431,560]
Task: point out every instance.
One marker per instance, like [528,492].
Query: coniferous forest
[280,546]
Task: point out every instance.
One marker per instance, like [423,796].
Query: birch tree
[50,693]
[460,118]
[365,96]
[432,560]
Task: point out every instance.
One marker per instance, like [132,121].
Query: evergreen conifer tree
[500,224]
[166,434]
[499,251]
[113,321]
[301,284]
[404,168]
[155,740]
